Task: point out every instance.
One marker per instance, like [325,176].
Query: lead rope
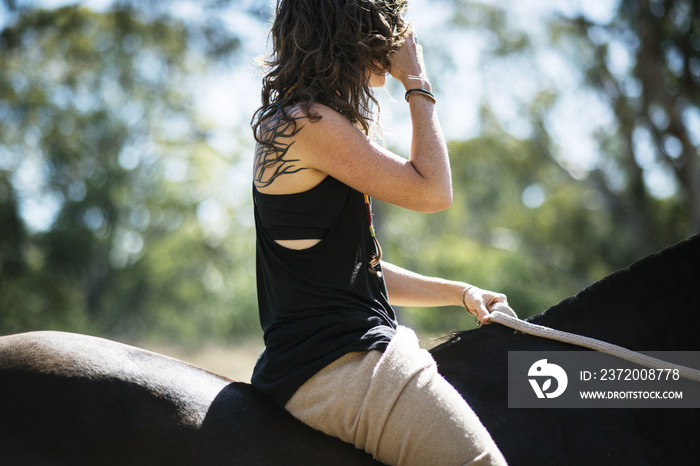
[504,315]
[377,256]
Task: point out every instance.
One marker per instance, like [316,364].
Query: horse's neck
[652,305]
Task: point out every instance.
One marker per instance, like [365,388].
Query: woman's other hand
[478,302]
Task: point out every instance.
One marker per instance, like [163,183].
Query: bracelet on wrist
[423,92]
[464,294]
[464,303]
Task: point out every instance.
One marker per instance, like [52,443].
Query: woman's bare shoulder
[279,167]
[280,120]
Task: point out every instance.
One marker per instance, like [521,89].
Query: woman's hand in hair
[407,65]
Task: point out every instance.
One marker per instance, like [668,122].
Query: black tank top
[319,303]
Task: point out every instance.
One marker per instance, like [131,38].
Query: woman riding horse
[334,355]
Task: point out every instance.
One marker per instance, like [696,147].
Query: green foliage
[97,124]
[147,229]
[643,64]
[524,220]
[537,254]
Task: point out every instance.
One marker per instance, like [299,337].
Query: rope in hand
[504,315]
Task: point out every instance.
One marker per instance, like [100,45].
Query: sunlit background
[125,157]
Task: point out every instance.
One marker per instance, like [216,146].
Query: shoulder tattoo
[271,160]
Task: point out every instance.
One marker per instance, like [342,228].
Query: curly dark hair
[324,51]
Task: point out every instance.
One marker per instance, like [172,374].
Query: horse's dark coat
[75,400]
[654,305]
[70,399]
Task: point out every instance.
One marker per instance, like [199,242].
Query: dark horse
[69,399]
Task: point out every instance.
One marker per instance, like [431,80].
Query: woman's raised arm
[334,146]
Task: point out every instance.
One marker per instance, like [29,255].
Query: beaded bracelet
[423,92]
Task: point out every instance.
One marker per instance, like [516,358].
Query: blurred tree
[99,141]
[143,227]
[645,62]
[528,221]
[519,224]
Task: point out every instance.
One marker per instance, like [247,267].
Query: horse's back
[78,400]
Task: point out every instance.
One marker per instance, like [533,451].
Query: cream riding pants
[395,406]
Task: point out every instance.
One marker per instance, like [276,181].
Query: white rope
[504,315]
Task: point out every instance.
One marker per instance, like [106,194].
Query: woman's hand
[407,64]
[478,302]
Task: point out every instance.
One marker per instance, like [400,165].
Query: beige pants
[397,407]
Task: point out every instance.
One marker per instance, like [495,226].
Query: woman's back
[321,302]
